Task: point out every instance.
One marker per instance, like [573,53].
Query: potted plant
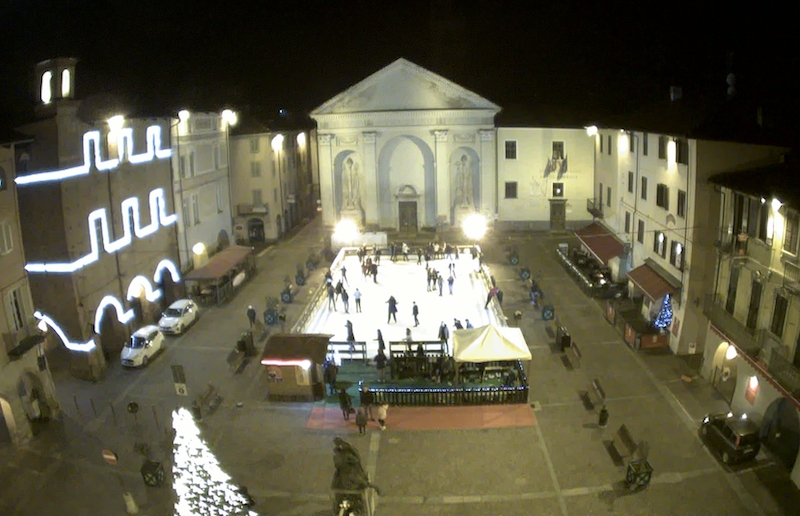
[271,313]
[300,275]
[286,294]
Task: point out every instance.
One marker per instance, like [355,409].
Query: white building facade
[406,149]
[544,177]
[201,184]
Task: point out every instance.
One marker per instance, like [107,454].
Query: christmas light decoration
[130,212]
[91,154]
[305,364]
[84,347]
[664,317]
[201,486]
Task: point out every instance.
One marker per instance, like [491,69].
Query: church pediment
[404,86]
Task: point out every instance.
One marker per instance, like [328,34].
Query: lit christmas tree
[664,317]
[201,485]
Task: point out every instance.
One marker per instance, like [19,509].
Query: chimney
[675,93]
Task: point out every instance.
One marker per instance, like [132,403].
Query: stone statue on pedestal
[351,185]
[463,197]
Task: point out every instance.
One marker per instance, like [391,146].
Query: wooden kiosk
[294,366]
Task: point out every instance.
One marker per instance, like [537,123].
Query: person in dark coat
[331,298]
[415,313]
[457,324]
[346,301]
[392,309]
[345,403]
[361,421]
[450,282]
[251,315]
[350,335]
[381,344]
[329,373]
[441,284]
[444,332]
[366,400]
[380,364]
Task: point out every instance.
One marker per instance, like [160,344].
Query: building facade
[27,393]
[273,176]
[651,194]
[201,184]
[98,224]
[752,353]
[405,149]
[544,176]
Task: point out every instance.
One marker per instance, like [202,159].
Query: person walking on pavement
[392,309]
[346,301]
[251,315]
[382,410]
[415,313]
[345,403]
[330,372]
[361,421]
[357,297]
[380,364]
[450,282]
[366,399]
[441,284]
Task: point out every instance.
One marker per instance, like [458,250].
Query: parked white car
[144,343]
[179,316]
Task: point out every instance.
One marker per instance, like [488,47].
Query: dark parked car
[736,439]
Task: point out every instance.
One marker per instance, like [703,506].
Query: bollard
[130,504]
[602,421]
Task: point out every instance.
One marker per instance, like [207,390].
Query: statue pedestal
[460,213]
[354,214]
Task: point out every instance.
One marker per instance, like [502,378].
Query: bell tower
[55,83]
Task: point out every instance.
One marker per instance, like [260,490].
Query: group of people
[338,291]
[365,410]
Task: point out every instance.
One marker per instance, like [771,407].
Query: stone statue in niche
[351,188]
[463,182]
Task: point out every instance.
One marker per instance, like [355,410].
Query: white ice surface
[406,281]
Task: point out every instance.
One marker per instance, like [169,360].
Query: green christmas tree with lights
[199,482]
[664,317]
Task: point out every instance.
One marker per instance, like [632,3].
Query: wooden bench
[624,443]
[573,355]
[207,402]
[595,394]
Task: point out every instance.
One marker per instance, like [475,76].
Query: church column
[488,173]
[442,176]
[371,196]
[326,185]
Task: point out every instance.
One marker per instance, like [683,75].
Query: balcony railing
[22,341]
[758,344]
[594,207]
[247,209]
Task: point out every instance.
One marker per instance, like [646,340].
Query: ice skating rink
[406,281]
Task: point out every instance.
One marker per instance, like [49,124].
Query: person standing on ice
[415,313]
[392,309]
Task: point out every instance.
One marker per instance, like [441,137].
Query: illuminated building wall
[71,265]
[25,388]
[201,182]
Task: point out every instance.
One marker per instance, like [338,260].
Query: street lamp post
[277,147]
[229,118]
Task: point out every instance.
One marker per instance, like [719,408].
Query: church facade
[406,149]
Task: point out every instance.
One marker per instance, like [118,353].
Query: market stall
[216,281]
[489,347]
[294,366]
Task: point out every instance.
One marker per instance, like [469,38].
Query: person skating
[357,297]
[450,282]
[351,338]
[381,344]
[468,324]
[344,275]
[251,315]
[331,298]
[405,251]
[378,256]
[346,301]
[392,309]
[441,284]
[415,313]
[345,403]
[457,324]
[361,421]
[419,256]
[492,293]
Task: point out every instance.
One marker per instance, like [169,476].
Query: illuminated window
[6,242]
[47,88]
[640,232]
[644,144]
[662,196]
[511,190]
[681,204]
[676,255]
[660,244]
[790,239]
[779,315]
[253,145]
[558,189]
[558,150]
[511,149]
[257,197]
[65,82]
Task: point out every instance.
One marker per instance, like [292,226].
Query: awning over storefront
[221,263]
[652,282]
[601,243]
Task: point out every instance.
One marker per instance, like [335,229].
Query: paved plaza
[557,463]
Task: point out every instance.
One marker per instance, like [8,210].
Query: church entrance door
[408,217]
[558,215]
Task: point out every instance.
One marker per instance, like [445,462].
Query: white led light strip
[130,214]
[91,153]
[123,316]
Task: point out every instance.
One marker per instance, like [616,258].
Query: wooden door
[408,217]
[558,215]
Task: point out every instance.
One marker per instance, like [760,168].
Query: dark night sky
[587,55]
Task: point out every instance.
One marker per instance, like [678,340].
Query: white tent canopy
[489,343]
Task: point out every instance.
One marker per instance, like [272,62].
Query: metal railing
[714,309]
[595,207]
